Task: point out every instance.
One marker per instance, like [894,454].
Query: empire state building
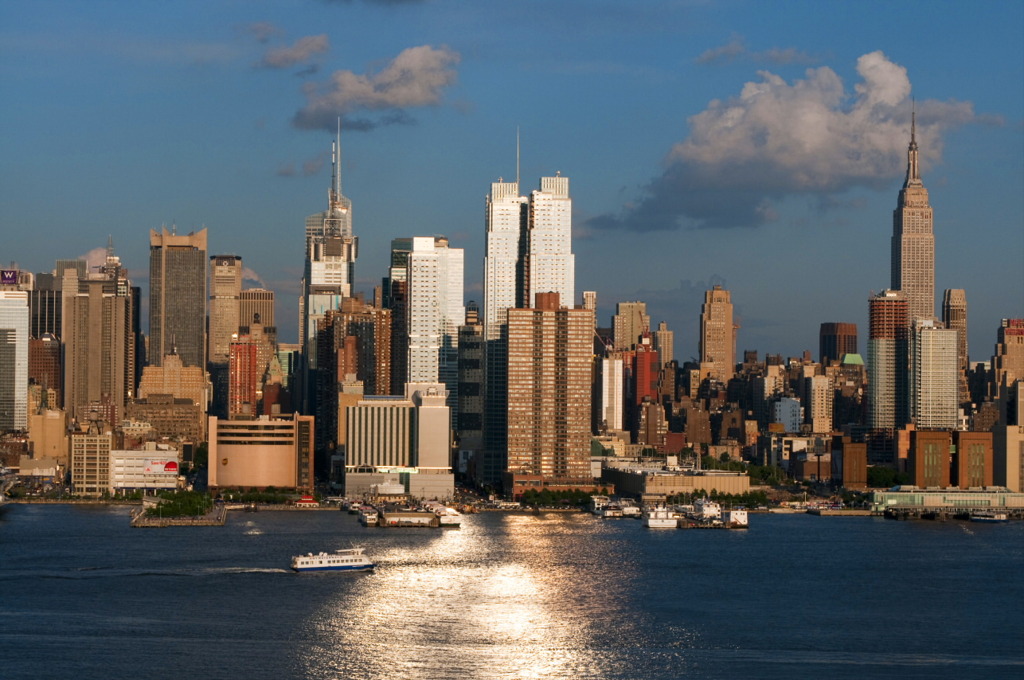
[913,241]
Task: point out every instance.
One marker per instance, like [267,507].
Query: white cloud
[417,77]
[251,275]
[303,50]
[776,139]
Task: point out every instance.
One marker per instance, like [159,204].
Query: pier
[215,518]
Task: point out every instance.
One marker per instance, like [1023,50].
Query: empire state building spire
[913,239]
[913,172]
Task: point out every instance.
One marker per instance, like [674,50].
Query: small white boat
[736,519]
[706,509]
[349,559]
[611,510]
[991,517]
[368,516]
[660,517]
[631,510]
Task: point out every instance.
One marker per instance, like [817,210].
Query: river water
[509,596]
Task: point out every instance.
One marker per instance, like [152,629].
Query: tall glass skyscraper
[331,251]
[177,296]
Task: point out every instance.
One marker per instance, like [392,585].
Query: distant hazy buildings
[177,296]
[629,322]
[913,241]
[664,342]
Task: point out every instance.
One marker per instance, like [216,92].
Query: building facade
[913,240]
[99,342]
[934,397]
[434,312]
[262,452]
[549,375]
[329,272]
[629,322]
[888,335]
[717,334]
[954,316]
[14,350]
[177,296]
[836,339]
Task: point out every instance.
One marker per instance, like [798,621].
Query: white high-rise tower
[551,267]
[528,251]
[435,310]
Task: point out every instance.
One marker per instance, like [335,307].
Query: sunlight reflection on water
[496,604]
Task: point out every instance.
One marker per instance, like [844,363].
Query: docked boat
[631,510]
[705,509]
[660,517]
[368,516]
[610,511]
[447,516]
[735,519]
[597,504]
[990,517]
[348,559]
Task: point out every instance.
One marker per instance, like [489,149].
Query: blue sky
[753,144]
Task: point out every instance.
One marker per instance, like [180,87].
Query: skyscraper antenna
[913,120]
[517,155]
[337,171]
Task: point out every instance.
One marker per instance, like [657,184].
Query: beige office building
[717,335]
[262,452]
[225,305]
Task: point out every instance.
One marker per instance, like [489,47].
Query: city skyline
[230,122]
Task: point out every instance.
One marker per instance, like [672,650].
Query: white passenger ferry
[349,559]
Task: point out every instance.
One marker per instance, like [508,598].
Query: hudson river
[507,596]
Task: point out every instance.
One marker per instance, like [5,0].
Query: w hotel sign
[8,277]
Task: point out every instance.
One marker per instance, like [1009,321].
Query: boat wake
[86,573]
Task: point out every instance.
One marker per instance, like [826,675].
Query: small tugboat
[349,559]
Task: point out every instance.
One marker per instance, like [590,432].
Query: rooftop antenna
[110,245]
[335,192]
[517,155]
